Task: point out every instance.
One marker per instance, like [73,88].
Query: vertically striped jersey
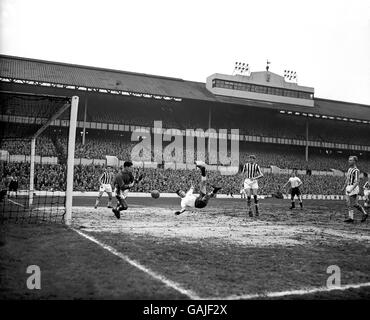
[251,170]
[106,177]
[352,176]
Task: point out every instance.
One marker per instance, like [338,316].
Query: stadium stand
[101,143]
[178,104]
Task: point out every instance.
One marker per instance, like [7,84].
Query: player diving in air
[251,173]
[295,184]
[352,189]
[367,191]
[190,200]
[122,183]
[105,181]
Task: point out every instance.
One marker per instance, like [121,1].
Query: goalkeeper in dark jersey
[122,183]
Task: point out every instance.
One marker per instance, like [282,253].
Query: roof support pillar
[306,151]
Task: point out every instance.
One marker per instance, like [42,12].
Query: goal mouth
[49,207]
[37,147]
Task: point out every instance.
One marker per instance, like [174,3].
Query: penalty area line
[169,283]
[292,292]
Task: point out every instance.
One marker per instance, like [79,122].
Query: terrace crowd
[53,178]
[97,146]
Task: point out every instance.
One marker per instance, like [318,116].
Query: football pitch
[214,253]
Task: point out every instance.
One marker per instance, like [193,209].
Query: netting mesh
[22,115]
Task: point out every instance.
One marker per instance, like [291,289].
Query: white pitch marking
[290,292]
[136,264]
[194,296]
[15,202]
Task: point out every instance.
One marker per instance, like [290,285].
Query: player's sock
[360,208]
[364,217]
[116,213]
[249,203]
[123,205]
[256,203]
[301,204]
[350,214]
[293,205]
[202,167]
[203,171]
[350,217]
[97,203]
[216,189]
[109,200]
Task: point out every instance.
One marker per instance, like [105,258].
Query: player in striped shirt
[251,173]
[105,181]
[367,191]
[352,190]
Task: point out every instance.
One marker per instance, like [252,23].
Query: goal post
[32,171]
[71,159]
[38,132]
[71,151]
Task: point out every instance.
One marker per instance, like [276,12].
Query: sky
[327,42]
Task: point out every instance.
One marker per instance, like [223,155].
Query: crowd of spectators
[86,178]
[170,180]
[99,144]
[44,146]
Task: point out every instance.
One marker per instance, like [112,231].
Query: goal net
[37,143]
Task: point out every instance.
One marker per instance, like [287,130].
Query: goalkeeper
[122,183]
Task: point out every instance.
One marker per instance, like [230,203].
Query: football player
[352,190]
[295,184]
[190,200]
[251,172]
[367,191]
[123,182]
[105,180]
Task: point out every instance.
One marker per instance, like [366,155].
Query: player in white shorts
[295,184]
[242,193]
[367,191]
[190,200]
[251,173]
[105,181]
[352,190]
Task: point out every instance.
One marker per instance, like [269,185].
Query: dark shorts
[295,192]
[352,200]
[200,203]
